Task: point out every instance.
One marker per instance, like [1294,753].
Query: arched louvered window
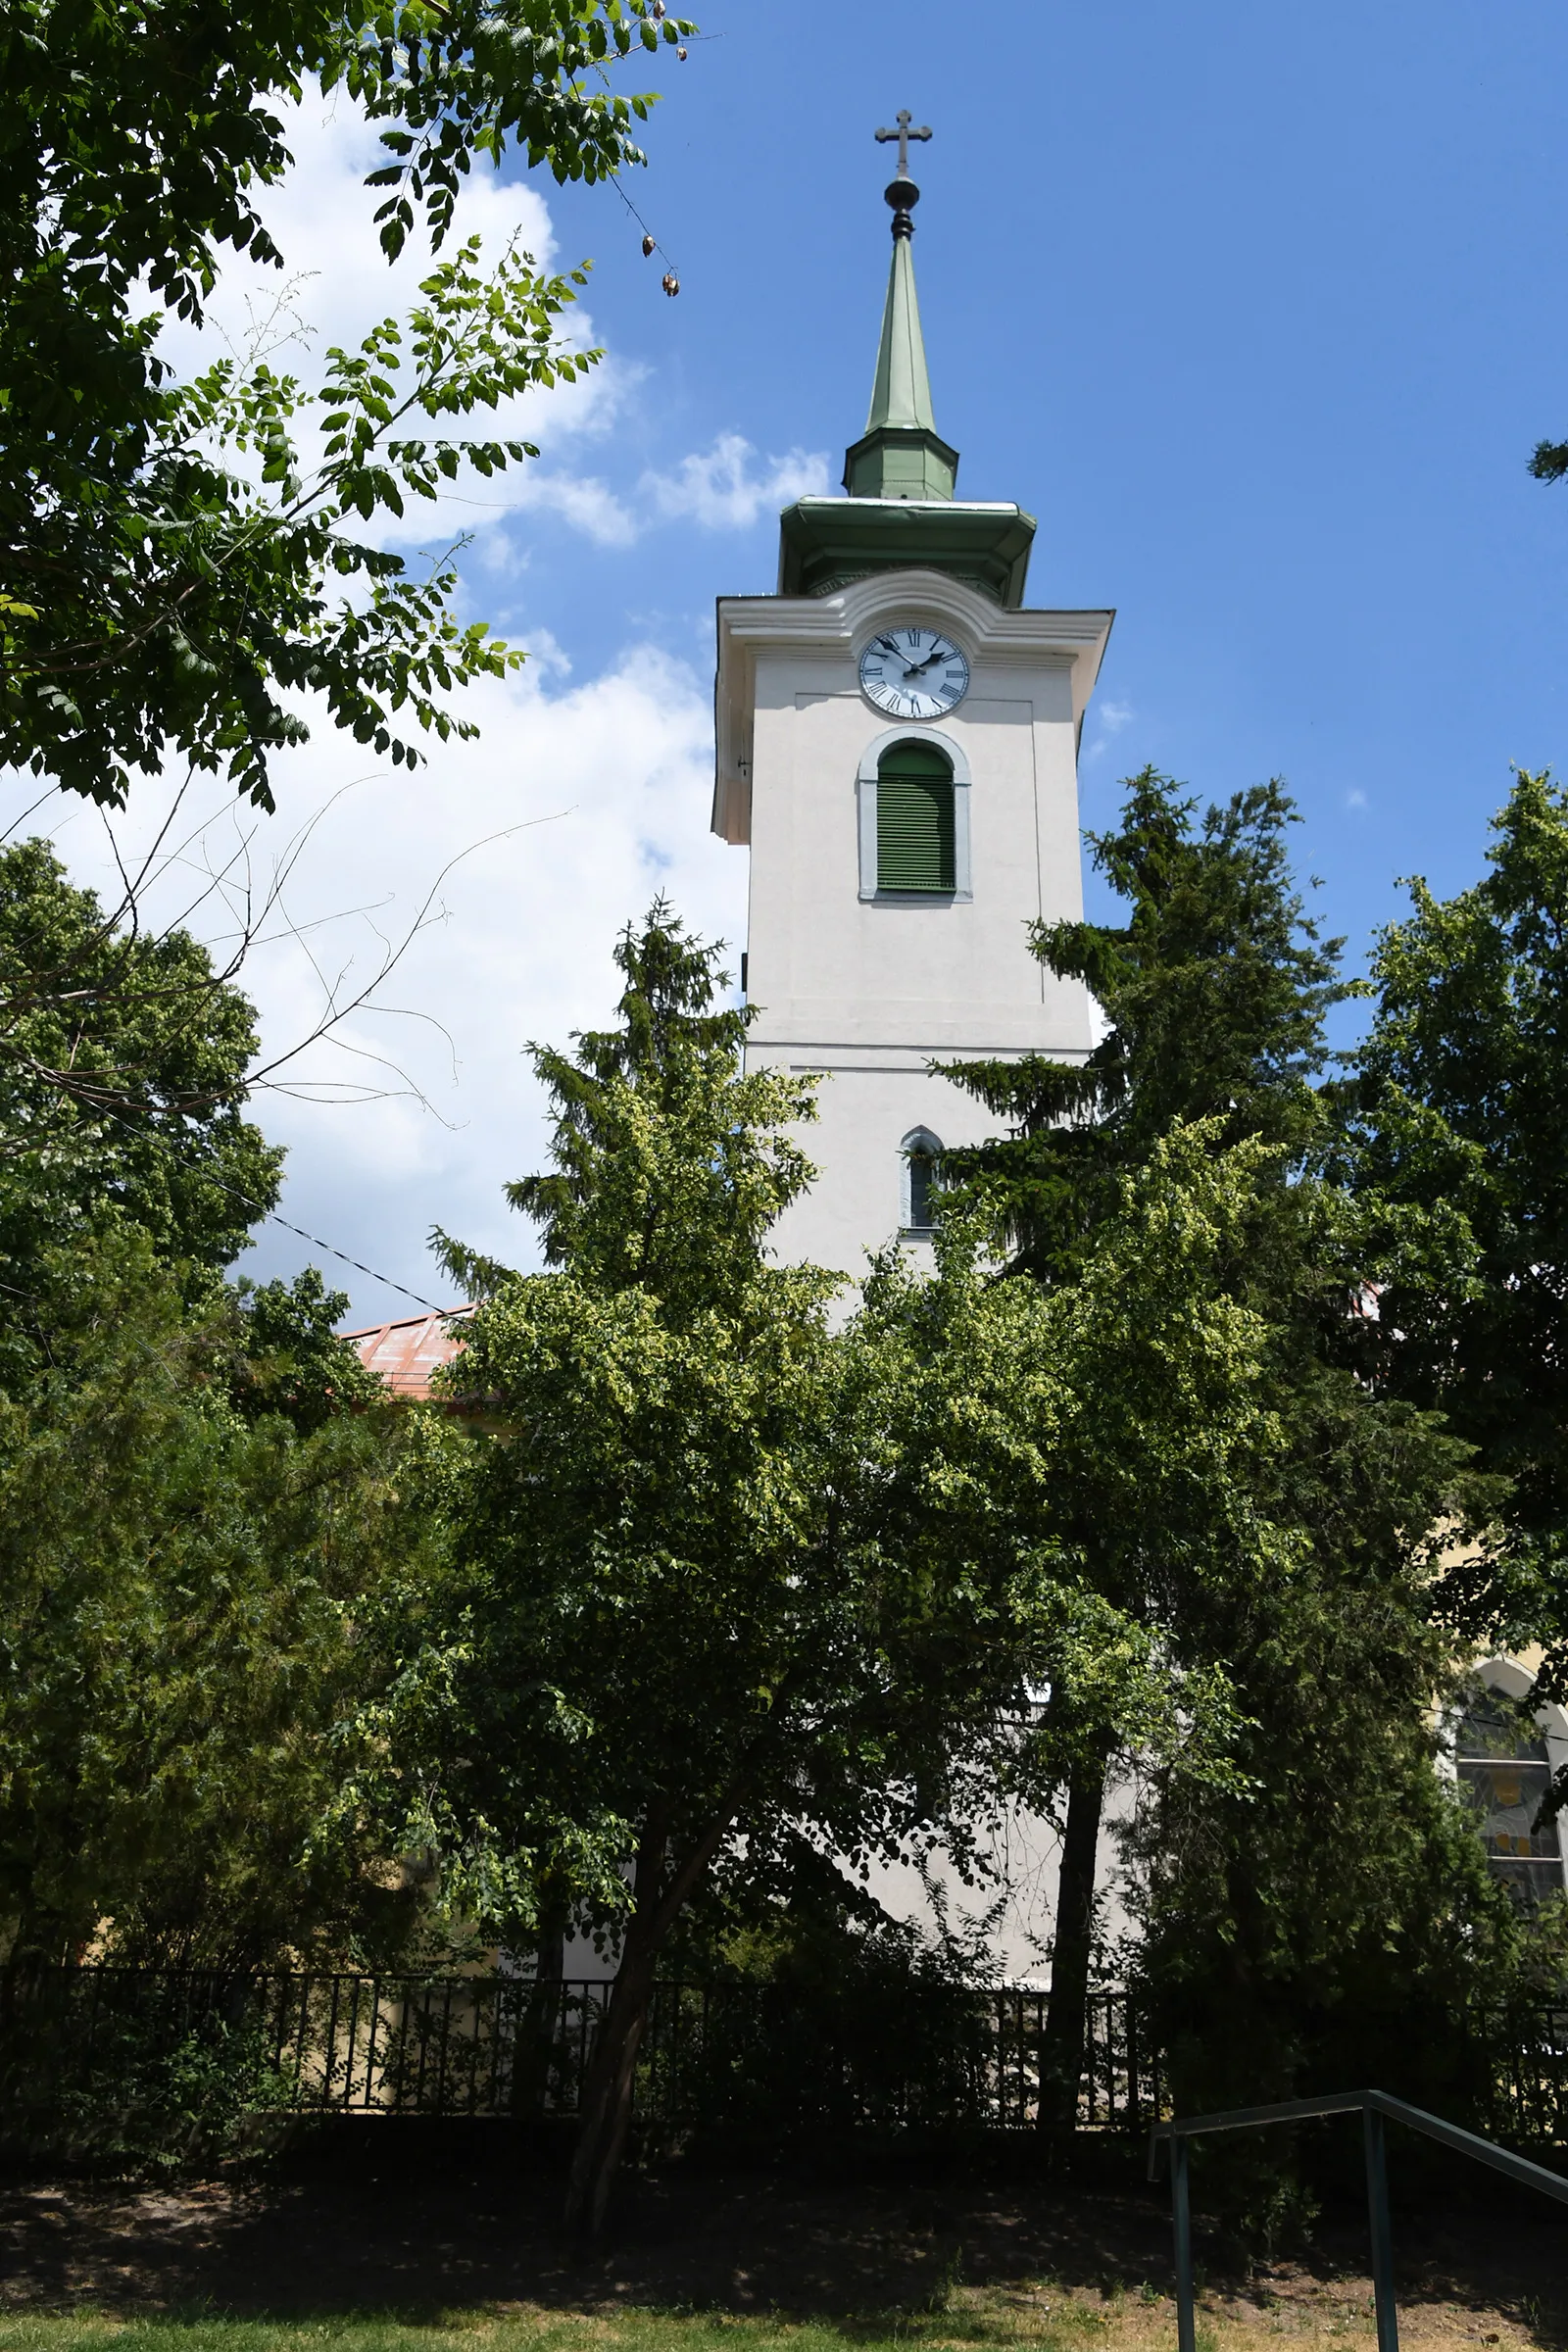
[915,819]
[923,1171]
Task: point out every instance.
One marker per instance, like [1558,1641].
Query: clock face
[914,674]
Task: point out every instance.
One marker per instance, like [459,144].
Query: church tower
[897,744]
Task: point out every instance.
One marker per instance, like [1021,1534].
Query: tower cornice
[826,544]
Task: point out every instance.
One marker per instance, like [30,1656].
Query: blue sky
[1260,313]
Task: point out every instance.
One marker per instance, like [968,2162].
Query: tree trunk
[540,2023]
[608,2095]
[1061,2045]
[608,2086]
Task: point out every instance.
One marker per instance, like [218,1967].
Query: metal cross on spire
[904,134]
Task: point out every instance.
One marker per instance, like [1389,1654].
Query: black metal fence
[1529,2101]
[738,2053]
[762,2058]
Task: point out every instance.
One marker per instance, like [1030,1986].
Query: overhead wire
[672,285]
[651,243]
[248,1200]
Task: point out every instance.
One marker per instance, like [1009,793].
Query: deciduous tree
[198,1482]
[123,1068]
[729,1579]
[176,577]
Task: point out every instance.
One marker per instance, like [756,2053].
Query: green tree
[292,1363]
[1328,1917]
[180,1628]
[123,1068]
[190,1515]
[159,597]
[1548,460]
[730,1583]
[1457,1100]
[1213,993]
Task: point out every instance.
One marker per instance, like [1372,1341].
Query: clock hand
[937,656]
[890,647]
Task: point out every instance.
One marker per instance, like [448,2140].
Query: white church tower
[897,744]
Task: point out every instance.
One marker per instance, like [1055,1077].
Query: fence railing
[1374,2107]
[935,2057]
[1530,2077]
[898,2056]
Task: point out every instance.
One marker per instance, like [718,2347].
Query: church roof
[408,1352]
[827,543]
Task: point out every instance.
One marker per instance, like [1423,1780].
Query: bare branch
[104,968]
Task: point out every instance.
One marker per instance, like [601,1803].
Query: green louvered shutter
[915,819]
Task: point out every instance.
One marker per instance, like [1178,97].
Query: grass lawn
[1029,2316]
[434,2251]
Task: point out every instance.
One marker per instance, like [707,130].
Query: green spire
[902,393]
[900,454]
[901,513]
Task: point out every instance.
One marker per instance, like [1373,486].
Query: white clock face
[914,674]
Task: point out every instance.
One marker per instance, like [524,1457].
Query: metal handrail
[1373,2106]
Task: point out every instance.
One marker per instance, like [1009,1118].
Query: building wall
[865,990]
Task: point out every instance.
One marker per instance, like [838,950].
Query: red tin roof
[409,1352]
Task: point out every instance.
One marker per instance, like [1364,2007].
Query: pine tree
[1213,995]
[1457,1105]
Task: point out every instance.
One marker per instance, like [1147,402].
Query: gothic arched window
[1501,1757]
[921,1154]
[915,819]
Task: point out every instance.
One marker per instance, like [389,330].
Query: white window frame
[1510,1680]
[962,891]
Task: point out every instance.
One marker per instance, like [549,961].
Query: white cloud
[337,282]
[717,489]
[336,285]
[619,767]
[720,489]
[1355,798]
[589,796]
[1110,719]
[588,503]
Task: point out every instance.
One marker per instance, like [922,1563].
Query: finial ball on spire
[902,194]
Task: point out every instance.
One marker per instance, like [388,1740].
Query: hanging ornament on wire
[650,243]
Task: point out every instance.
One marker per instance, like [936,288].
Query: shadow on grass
[374,2260]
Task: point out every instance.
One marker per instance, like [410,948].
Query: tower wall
[862,987]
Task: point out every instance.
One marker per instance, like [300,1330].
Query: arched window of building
[1501,1757]
[915,819]
[911,793]
[922,1173]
